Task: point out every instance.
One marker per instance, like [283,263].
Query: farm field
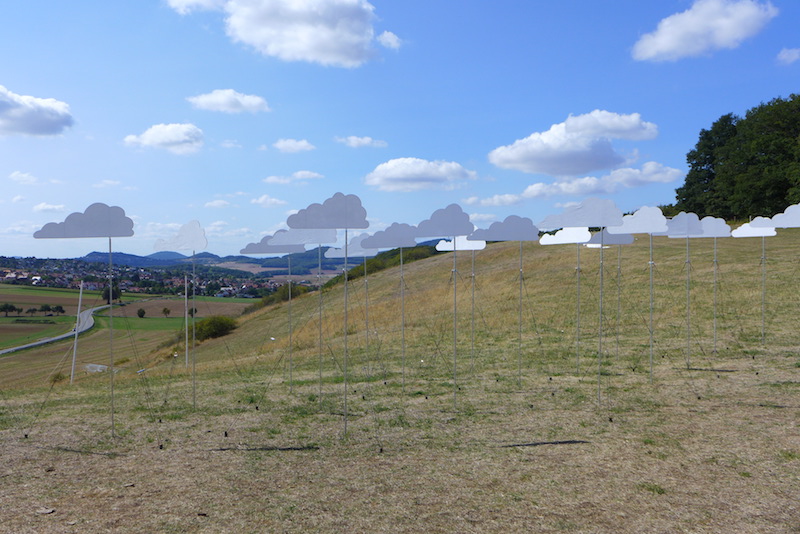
[498,407]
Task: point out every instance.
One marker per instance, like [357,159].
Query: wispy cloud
[229,101]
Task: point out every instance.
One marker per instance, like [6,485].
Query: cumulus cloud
[229,101]
[29,115]
[414,174]
[707,26]
[580,144]
[45,207]
[296,177]
[390,40]
[185,7]
[618,179]
[357,142]
[23,178]
[787,56]
[396,235]
[219,203]
[266,201]
[291,146]
[177,138]
[267,246]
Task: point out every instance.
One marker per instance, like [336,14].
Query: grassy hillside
[474,424]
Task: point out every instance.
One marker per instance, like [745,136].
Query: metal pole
[345,332]
[194,335]
[763,290]
[688,305]
[455,338]
[578,310]
[403,318]
[319,288]
[652,265]
[716,269]
[291,382]
[600,321]
[186,318]
[111,332]
[75,343]
[519,322]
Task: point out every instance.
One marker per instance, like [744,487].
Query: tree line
[747,166]
[45,309]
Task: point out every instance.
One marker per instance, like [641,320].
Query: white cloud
[28,115]
[45,207]
[627,178]
[580,144]
[292,146]
[229,101]
[266,201]
[787,56]
[177,138]
[187,6]
[23,178]
[230,143]
[357,142]
[329,32]
[707,26]
[414,174]
[219,203]
[390,40]
[107,183]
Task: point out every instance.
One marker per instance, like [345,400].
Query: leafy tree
[700,192]
[744,167]
[116,295]
[45,308]
[58,309]
[166,312]
[32,311]
[140,312]
[214,326]
[7,307]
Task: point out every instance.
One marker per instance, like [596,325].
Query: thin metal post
[652,306]
[763,290]
[75,342]
[291,381]
[111,332]
[578,310]
[716,269]
[455,335]
[519,322]
[688,305]
[345,332]
[403,318]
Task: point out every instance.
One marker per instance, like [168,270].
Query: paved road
[85,322]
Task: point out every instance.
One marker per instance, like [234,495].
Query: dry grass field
[459,419]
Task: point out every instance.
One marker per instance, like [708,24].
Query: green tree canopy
[745,167]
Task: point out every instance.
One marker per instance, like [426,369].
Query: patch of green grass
[789,455]
[652,488]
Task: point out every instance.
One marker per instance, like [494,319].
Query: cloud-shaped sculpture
[566,236]
[339,211]
[646,220]
[684,225]
[265,246]
[604,237]
[714,227]
[446,222]
[191,236]
[295,236]
[789,218]
[461,243]
[513,228]
[99,220]
[396,235]
[748,230]
[591,212]
[354,249]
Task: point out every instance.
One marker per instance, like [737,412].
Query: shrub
[214,326]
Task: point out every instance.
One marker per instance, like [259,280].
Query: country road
[85,322]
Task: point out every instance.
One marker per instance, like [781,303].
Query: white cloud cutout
[29,115]
[292,146]
[354,141]
[190,236]
[390,40]
[219,203]
[513,228]
[747,230]
[266,201]
[787,56]
[580,144]
[176,138]
[591,212]
[296,177]
[229,101]
[646,220]
[567,236]
[707,26]
[23,178]
[45,207]
[98,220]
[449,221]
[355,248]
[414,174]
[461,243]
[338,211]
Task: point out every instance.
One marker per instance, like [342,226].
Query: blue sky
[237,113]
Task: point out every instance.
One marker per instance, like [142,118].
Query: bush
[214,326]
